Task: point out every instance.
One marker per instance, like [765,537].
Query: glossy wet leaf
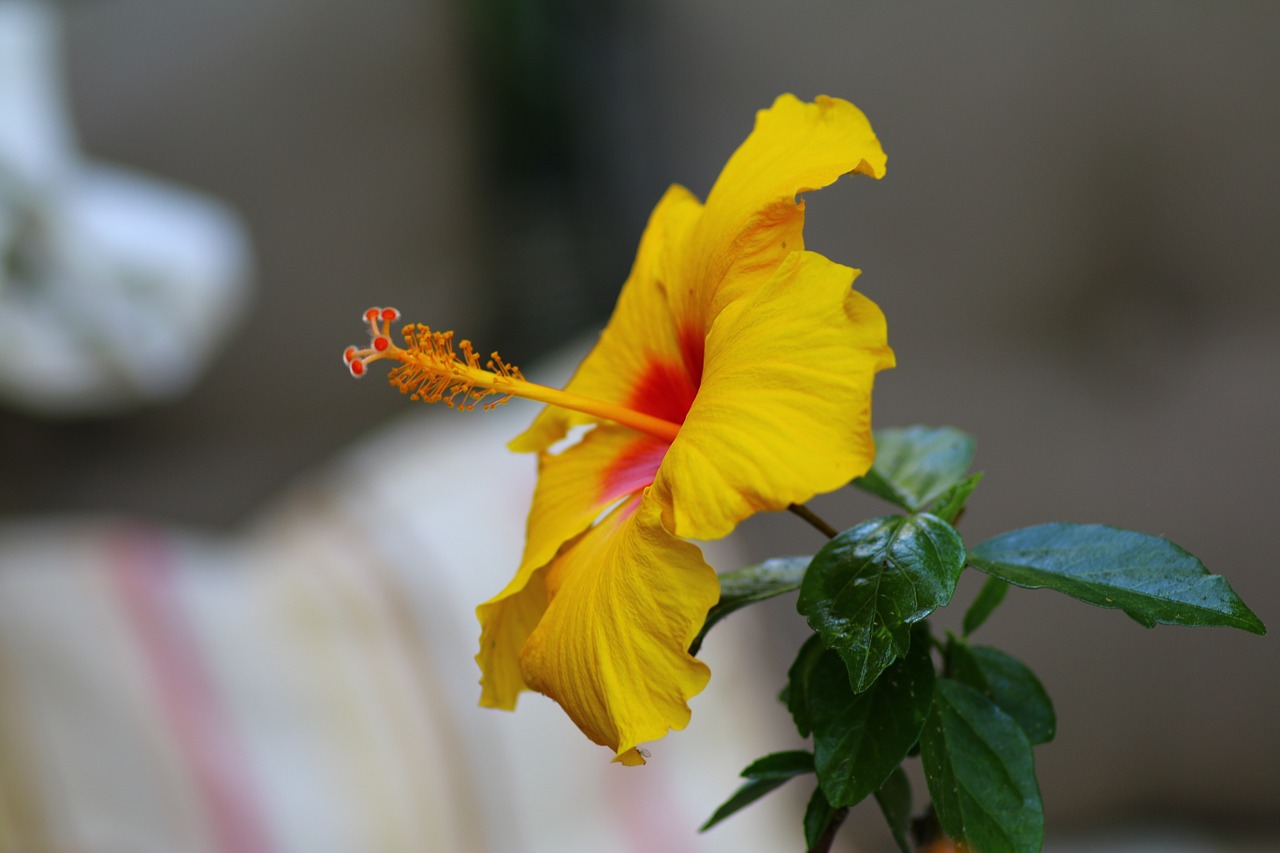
[1009,683]
[981,775]
[1149,578]
[751,584]
[860,738]
[866,587]
[916,464]
[950,504]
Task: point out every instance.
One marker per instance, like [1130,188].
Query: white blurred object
[308,684]
[115,288]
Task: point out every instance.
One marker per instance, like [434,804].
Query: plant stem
[809,516]
[823,844]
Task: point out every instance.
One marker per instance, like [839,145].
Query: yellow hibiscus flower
[734,377]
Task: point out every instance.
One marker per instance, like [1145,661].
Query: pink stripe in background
[146,581]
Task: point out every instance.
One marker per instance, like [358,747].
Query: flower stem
[808,515]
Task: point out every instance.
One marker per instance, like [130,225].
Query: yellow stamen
[432,371]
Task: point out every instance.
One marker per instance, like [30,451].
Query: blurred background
[1075,245]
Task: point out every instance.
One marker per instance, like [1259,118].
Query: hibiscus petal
[626,600]
[753,219]
[784,411]
[574,488]
[692,262]
[639,361]
[506,621]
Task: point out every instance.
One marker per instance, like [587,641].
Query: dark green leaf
[750,584]
[1008,682]
[989,598]
[780,765]
[763,775]
[1149,578]
[817,816]
[874,483]
[858,739]
[894,798]
[799,677]
[981,775]
[748,793]
[916,464]
[951,503]
[865,587]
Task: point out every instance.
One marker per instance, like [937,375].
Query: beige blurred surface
[1075,247]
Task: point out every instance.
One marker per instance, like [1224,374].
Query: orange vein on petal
[431,370]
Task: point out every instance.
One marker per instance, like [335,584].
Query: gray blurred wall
[1075,246]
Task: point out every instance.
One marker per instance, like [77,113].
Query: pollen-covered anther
[432,370]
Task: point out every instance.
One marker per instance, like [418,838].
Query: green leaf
[763,775]
[799,678]
[951,503]
[875,483]
[978,764]
[866,586]
[1149,578]
[1008,682]
[989,598]
[858,739]
[817,816]
[780,765]
[750,584]
[748,793]
[916,464]
[894,798]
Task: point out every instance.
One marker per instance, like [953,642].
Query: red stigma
[378,323]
